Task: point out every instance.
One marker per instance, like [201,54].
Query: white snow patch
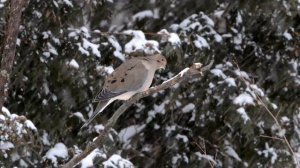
[68,2]
[73,63]
[243,114]
[230,81]
[79,115]
[59,150]
[6,111]
[243,99]
[45,138]
[117,46]
[231,152]
[143,14]
[127,133]
[116,161]
[200,42]
[189,107]
[184,138]
[88,45]
[98,128]
[218,73]
[6,145]
[139,43]
[207,157]
[88,160]
[30,125]
[287,35]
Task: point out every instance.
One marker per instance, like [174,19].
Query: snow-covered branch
[186,74]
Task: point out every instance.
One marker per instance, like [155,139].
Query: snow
[88,45]
[118,48]
[79,115]
[5,111]
[189,107]
[143,14]
[207,157]
[116,161]
[243,99]
[2,117]
[73,63]
[185,70]
[88,160]
[106,69]
[182,137]
[200,42]
[243,114]
[45,138]
[139,43]
[230,81]
[68,2]
[51,49]
[242,74]
[98,128]
[30,125]
[269,151]
[218,73]
[173,38]
[6,145]
[287,35]
[231,152]
[59,150]
[127,133]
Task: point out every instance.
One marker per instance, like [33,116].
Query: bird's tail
[100,107]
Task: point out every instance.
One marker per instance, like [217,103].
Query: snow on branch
[188,73]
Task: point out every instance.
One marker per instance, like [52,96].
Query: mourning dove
[131,77]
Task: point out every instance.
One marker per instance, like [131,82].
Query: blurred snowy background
[245,112]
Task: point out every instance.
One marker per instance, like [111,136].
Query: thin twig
[258,99]
[185,74]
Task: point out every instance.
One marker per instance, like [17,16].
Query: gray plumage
[131,77]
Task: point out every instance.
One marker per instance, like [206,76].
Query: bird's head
[160,60]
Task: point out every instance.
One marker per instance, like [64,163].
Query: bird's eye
[157,60]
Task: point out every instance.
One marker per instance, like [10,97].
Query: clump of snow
[207,157]
[45,138]
[30,125]
[79,115]
[287,35]
[187,108]
[98,128]
[200,42]
[116,161]
[73,63]
[118,48]
[143,14]
[139,43]
[269,151]
[230,82]
[231,152]
[244,99]
[6,145]
[89,45]
[88,160]
[107,69]
[127,133]
[173,38]
[243,114]
[68,2]
[218,73]
[59,150]
[184,138]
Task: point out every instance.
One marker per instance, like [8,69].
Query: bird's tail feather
[100,107]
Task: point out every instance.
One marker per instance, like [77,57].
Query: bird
[133,76]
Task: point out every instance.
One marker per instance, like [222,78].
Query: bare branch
[184,75]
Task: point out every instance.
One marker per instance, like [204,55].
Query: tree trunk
[8,46]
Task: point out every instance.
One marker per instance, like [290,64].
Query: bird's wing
[130,76]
